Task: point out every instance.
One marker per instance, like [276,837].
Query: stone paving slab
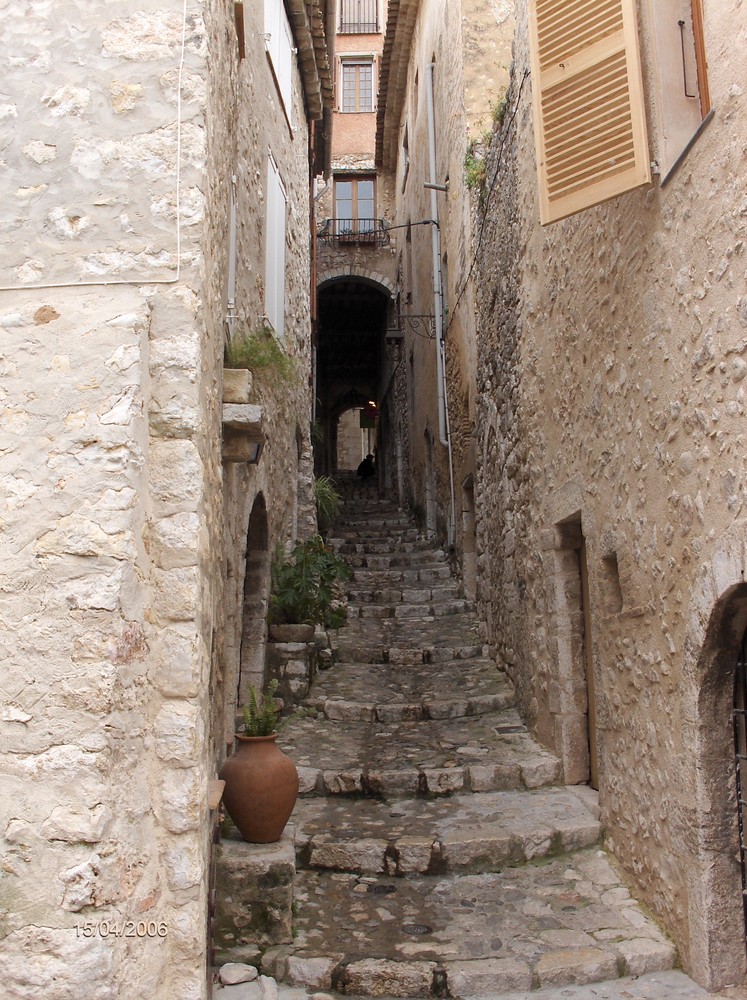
[670,985]
[465,833]
[491,752]
[394,640]
[564,921]
[451,689]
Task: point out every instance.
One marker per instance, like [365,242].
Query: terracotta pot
[261,788]
[292,633]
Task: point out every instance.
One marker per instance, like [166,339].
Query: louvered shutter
[589,117]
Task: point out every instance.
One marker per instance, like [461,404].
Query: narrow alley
[436,851]
[373,500]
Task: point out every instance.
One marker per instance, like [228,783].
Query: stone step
[481,753]
[424,594]
[382,546]
[356,692]
[464,833]
[558,922]
[397,640]
[423,573]
[397,560]
[430,610]
[667,985]
[401,528]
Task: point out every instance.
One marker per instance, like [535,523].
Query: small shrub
[475,169]
[260,352]
[328,503]
[260,715]
[306,586]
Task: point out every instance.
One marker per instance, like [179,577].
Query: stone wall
[611,359]
[466,41]
[110,406]
[117,613]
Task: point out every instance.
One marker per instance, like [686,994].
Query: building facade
[158,160]
[610,368]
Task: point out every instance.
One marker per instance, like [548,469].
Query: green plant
[328,503]
[498,107]
[260,715]
[475,169]
[306,586]
[260,352]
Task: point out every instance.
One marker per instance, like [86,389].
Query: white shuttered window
[275,250]
[589,116]
[279,44]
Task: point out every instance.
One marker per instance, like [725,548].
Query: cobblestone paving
[437,853]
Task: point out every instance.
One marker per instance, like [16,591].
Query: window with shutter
[275,249]
[590,124]
[279,45]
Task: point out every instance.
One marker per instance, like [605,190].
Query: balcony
[354,232]
[359,17]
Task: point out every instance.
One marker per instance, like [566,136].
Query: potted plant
[261,781]
[306,590]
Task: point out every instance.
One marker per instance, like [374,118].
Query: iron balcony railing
[339,232]
[359,17]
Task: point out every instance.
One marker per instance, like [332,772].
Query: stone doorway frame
[717,619]
[568,704]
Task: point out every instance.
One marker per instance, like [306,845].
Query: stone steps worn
[463,833]
[436,851]
[553,922]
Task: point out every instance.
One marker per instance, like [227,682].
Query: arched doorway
[254,606]
[351,366]
[716,899]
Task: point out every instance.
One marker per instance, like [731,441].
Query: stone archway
[717,622]
[254,606]
[366,276]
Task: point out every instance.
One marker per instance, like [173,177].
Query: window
[589,112]
[683,99]
[279,45]
[590,124]
[355,199]
[275,249]
[356,85]
[359,17]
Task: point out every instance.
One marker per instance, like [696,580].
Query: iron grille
[359,17]
[740,754]
[341,232]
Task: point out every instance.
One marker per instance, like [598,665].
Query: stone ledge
[243,432]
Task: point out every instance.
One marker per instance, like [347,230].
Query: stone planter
[291,633]
[237,385]
[261,788]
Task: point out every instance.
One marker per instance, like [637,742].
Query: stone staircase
[437,852]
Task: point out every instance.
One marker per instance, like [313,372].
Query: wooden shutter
[589,117]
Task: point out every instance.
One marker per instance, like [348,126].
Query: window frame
[276,221]
[279,46]
[358,25]
[355,180]
[356,62]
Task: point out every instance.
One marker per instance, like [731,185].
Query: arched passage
[350,365]
[254,607]
[715,908]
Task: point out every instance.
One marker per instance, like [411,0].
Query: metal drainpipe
[444,434]
[231,306]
